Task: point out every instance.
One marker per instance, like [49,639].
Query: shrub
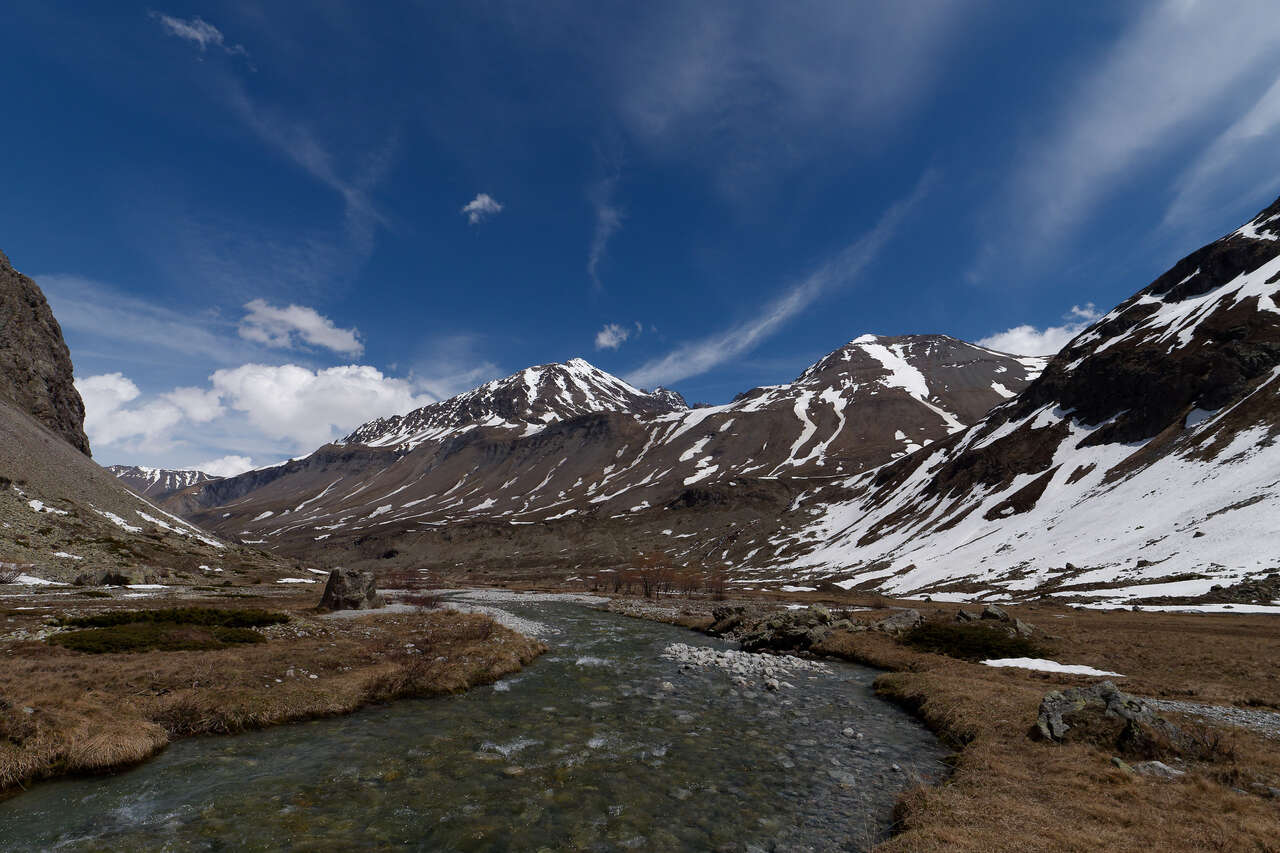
[970,641]
[205,616]
[8,575]
[154,636]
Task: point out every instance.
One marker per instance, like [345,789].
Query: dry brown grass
[1011,792]
[67,712]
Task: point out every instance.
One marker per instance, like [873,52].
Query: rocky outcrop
[35,364]
[349,589]
[1102,715]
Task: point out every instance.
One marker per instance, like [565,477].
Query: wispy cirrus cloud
[608,216]
[292,326]
[200,33]
[697,357]
[1177,68]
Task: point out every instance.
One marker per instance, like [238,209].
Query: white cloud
[1177,68]
[312,407]
[612,336]
[226,466]
[108,420]
[1028,340]
[269,410]
[481,208]
[608,221]
[753,88]
[285,327]
[199,32]
[698,357]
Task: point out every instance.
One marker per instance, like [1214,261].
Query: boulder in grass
[350,589]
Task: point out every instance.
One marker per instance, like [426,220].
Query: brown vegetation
[1012,792]
[62,711]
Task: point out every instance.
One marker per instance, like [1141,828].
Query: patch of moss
[154,636]
[971,641]
[204,616]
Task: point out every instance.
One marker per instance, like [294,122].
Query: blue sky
[261,227]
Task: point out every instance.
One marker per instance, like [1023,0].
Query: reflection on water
[584,750]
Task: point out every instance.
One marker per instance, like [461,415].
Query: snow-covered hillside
[1143,462]
[156,482]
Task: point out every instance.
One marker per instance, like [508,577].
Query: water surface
[583,750]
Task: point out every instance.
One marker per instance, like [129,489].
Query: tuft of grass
[971,641]
[154,636]
[93,593]
[205,616]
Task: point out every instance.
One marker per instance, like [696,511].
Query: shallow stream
[602,744]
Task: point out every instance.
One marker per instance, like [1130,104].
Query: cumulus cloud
[226,466]
[108,417]
[696,357]
[199,32]
[1028,340]
[481,208]
[265,409]
[312,407]
[293,325]
[612,336]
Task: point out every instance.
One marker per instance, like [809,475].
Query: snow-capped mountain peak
[525,401]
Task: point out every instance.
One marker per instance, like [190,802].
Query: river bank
[1010,791]
[67,712]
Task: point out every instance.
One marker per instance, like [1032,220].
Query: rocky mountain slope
[1142,463]
[522,468]
[155,483]
[35,365]
[62,515]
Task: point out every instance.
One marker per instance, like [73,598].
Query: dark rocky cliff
[35,365]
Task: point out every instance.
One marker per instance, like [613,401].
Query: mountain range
[1140,461]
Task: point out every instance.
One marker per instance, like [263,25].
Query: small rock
[963,615]
[1158,769]
[668,687]
[1116,761]
[771,684]
[848,732]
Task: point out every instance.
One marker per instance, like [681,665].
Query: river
[613,740]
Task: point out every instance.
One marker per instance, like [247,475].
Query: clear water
[583,750]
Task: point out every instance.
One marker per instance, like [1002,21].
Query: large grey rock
[993,612]
[1101,714]
[899,622]
[350,589]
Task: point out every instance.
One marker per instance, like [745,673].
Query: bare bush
[9,573]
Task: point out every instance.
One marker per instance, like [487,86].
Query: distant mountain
[1143,461]
[157,482]
[35,365]
[567,446]
[523,402]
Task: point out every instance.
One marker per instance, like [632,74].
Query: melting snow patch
[1043,665]
[32,580]
[64,555]
[39,506]
[295,580]
[789,588]
[118,521]
[264,516]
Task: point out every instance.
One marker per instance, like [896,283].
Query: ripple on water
[576,758]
